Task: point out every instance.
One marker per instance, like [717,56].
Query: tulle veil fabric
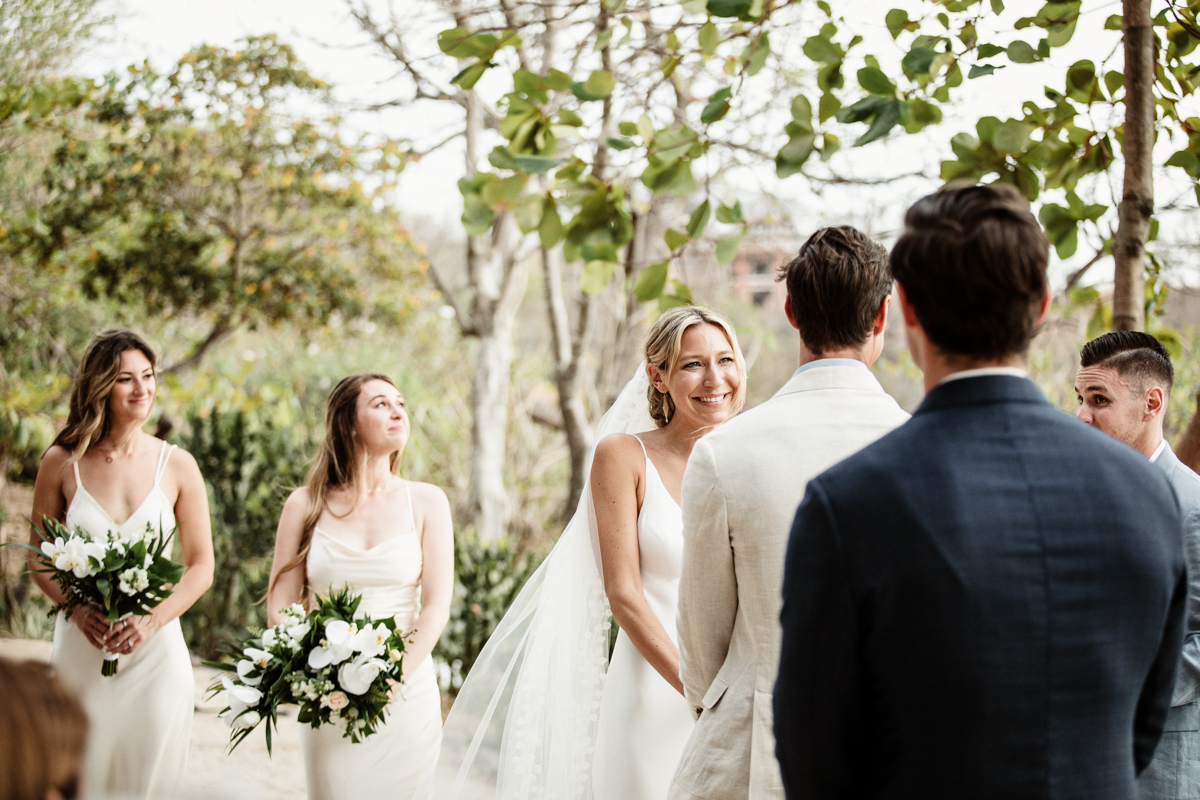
[524,723]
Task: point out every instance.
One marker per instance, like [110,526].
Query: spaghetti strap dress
[644,723]
[140,720]
[398,761]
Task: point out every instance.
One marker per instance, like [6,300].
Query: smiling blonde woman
[544,712]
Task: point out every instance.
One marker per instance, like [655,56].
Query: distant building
[754,270]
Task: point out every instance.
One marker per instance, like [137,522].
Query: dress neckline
[412,518]
[163,454]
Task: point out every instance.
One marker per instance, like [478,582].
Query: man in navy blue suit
[988,601]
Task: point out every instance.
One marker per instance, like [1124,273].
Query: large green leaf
[728,8]
[698,221]
[727,248]
[717,106]
[651,281]
[596,276]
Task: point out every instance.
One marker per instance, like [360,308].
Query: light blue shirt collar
[831,362]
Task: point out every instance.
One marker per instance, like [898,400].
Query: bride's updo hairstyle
[87,417]
[664,344]
[339,462]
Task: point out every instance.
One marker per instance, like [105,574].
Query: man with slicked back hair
[986,603]
[1123,384]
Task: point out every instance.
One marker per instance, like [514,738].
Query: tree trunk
[1189,444]
[568,349]
[1137,199]
[498,282]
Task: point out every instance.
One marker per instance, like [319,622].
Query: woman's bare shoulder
[427,492]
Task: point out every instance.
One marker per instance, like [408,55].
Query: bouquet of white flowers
[338,666]
[120,574]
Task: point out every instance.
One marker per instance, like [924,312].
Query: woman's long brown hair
[339,462]
[43,731]
[87,417]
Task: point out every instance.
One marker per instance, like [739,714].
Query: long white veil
[524,723]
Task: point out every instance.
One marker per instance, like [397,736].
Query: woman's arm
[289,586]
[437,574]
[615,480]
[194,529]
[49,500]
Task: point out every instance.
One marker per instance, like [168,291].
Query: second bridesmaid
[357,522]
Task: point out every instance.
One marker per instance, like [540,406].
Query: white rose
[338,701]
[357,676]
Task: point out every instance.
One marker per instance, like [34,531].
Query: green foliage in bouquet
[337,665]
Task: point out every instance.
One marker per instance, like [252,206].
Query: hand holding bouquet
[334,663]
[119,574]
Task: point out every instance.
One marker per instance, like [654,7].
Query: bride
[537,716]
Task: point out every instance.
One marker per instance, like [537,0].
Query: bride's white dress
[644,722]
[140,720]
[398,761]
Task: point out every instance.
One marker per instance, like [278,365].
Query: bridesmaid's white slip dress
[397,762]
[644,722]
[140,720]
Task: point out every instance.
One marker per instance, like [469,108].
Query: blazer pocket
[714,694]
[1179,718]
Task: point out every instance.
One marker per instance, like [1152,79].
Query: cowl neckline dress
[140,720]
[398,761]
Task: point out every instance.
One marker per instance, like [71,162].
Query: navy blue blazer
[985,603]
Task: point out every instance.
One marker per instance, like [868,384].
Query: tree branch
[465,325]
[221,328]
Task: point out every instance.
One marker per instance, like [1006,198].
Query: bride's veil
[524,723]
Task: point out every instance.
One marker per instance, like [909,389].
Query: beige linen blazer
[741,489]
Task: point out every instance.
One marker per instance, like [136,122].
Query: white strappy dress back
[141,718]
[398,761]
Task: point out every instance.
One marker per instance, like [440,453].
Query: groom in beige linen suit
[740,493]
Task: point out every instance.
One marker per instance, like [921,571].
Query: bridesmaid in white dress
[357,522]
[103,468]
[696,377]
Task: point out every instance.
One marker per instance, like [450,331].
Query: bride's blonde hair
[339,462]
[662,350]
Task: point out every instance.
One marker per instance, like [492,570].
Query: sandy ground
[247,773]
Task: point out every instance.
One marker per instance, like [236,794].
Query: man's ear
[910,315]
[1155,401]
[1044,309]
[881,316]
[787,310]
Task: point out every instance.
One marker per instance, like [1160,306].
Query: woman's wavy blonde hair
[339,462]
[664,344]
[87,417]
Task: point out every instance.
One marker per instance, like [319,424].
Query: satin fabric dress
[644,722]
[140,720]
[397,762]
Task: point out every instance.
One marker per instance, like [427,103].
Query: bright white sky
[163,31]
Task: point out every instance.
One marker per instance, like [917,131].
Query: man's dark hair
[1137,357]
[972,261]
[835,285]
